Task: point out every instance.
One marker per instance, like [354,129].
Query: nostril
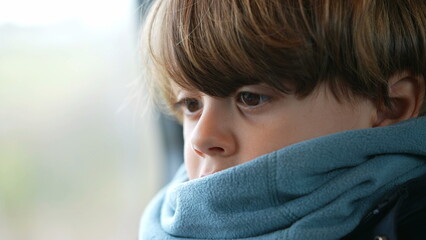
[216,149]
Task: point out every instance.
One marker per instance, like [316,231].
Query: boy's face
[220,133]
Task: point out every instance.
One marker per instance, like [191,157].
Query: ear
[406,92]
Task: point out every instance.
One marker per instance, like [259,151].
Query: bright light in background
[93,13]
[71,167]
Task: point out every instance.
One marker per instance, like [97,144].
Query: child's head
[249,77]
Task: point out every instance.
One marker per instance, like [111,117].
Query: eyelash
[184,104]
[260,99]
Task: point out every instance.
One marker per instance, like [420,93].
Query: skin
[220,133]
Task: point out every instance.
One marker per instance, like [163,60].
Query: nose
[213,134]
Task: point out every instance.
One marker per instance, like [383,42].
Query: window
[74,163]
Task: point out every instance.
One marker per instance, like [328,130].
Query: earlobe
[406,93]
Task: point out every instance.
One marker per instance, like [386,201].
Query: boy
[300,118]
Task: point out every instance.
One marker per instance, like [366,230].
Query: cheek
[329,121]
[266,139]
[191,162]
[186,131]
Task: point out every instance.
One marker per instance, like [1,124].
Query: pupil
[250,99]
[192,105]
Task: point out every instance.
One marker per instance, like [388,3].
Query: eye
[252,99]
[189,105]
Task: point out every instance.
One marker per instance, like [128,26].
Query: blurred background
[80,157]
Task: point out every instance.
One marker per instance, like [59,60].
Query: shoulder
[399,215]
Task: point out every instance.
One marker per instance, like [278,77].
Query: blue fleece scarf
[317,189]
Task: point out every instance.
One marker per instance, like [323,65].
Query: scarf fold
[316,189]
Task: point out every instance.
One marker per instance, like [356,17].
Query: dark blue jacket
[401,215]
